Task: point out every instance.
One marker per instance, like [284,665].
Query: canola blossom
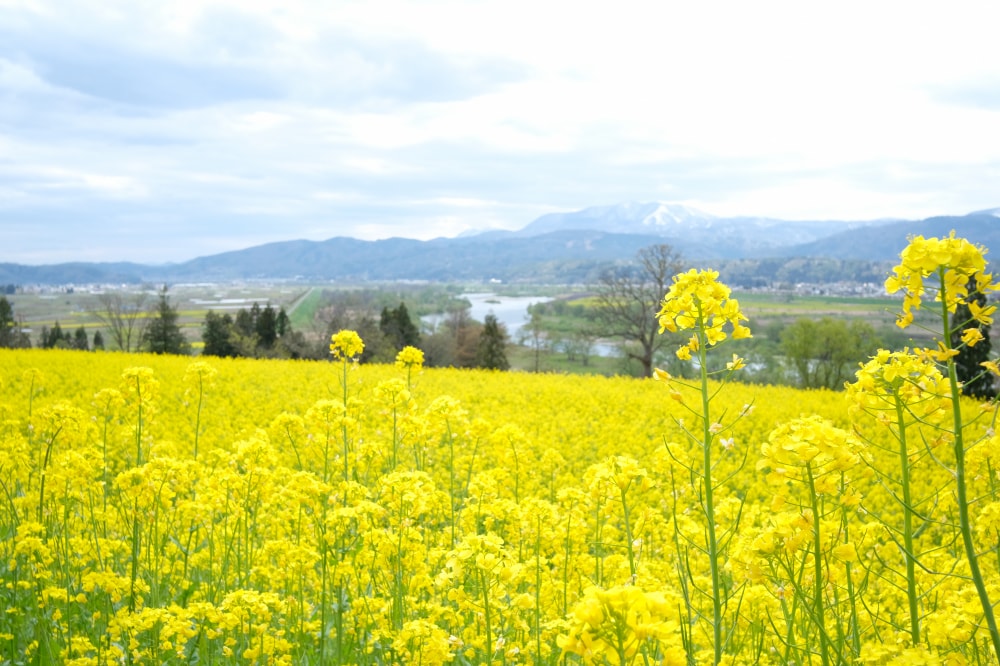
[954,262]
[233,511]
[698,301]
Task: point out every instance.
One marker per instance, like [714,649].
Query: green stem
[713,544]
[45,464]
[911,577]
[818,605]
[628,538]
[343,426]
[197,423]
[965,524]
[486,616]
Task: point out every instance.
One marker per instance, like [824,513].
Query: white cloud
[399,118]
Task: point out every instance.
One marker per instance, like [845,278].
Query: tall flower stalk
[952,264]
[346,346]
[904,390]
[699,303]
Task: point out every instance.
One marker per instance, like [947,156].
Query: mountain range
[558,247]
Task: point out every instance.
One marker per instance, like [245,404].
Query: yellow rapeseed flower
[955,259]
[698,301]
[346,344]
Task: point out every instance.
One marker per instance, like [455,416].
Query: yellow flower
[698,301]
[972,336]
[956,260]
[410,357]
[982,315]
[846,552]
[346,344]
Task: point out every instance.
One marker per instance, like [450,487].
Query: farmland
[163,509]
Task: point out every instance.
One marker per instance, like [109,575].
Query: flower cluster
[956,261]
[912,378]
[410,358]
[698,301]
[808,450]
[346,344]
[624,625]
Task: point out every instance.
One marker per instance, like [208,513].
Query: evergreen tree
[80,339]
[8,325]
[245,323]
[491,350]
[164,335]
[53,338]
[397,327]
[283,324]
[266,327]
[976,381]
[408,331]
[98,341]
[216,334]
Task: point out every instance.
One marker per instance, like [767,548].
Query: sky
[158,131]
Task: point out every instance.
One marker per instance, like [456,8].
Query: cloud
[163,130]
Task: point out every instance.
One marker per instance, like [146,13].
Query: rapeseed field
[164,510]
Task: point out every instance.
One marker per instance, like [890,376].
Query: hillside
[559,248]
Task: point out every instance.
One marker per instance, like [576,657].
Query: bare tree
[629,298]
[126,317]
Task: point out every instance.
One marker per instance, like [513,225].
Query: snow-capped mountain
[691,230]
[625,218]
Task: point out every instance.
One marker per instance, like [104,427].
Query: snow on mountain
[626,218]
[687,227]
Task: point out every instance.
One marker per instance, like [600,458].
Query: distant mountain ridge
[558,247]
[731,236]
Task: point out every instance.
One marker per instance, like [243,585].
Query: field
[79,306]
[161,510]
[169,510]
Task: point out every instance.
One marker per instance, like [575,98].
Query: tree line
[808,352]
[132,323]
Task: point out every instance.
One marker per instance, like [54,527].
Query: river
[511,311]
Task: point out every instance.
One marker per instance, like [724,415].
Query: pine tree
[98,341]
[53,338]
[266,328]
[491,351]
[398,328]
[283,324]
[216,333]
[80,339]
[975,380]
[164,335]
[8,328]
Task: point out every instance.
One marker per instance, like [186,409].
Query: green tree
[8,324]
[164,335]
[825,353]
[216,333]
[398,328]
[80,339]
[98,341]
[283,324]
[266,327]
[629,298]
[975,380]
[491,350]
[54,338]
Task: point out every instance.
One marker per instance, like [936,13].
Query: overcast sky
[164,130]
